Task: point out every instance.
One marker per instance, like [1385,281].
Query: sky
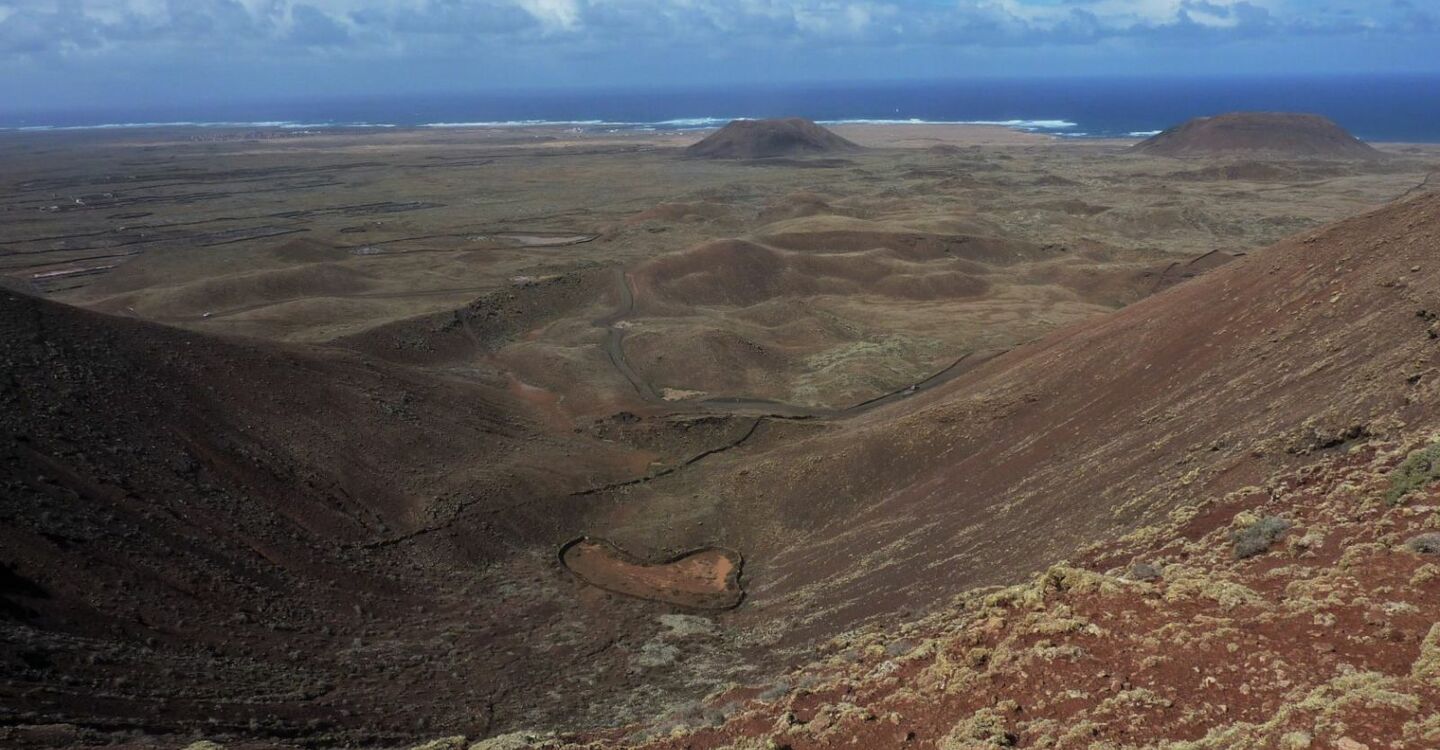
[58,54]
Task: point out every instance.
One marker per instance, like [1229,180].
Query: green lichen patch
[1417,471]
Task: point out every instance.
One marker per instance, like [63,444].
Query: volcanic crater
[492,482]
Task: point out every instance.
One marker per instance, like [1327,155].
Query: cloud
[312,27]
[463,18]
[562,14]
[26,31]
[200,18]
[1414,19]
[429,29]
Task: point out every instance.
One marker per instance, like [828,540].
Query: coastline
[875,134]
[599,126]
[872,134]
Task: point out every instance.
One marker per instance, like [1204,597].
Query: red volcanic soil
[762,139]
[1212,385]
[703,579]
[1279,134]
[1323,637]
[283,542]
[1241,471]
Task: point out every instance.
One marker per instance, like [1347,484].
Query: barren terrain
[878,267]
[364,438]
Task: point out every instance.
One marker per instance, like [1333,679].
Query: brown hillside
[1291,384]
[211,526]
[762,139]
[1185,636]
[739,273]
[1276,134]
[1200,390]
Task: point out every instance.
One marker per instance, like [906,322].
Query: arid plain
[879,268]
[446,400]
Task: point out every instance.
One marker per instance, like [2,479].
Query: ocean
[1403,108]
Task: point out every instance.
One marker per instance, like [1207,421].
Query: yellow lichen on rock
[1184,582]
[1427,665]
[986,728]
[1316,715]
[523,740]
[444,743]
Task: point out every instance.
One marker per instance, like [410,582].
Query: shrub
[1425,544]
[1256,538]
[1418,470]
[1144,572]
[986,728]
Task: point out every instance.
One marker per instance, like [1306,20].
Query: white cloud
[562,14]
[429,27]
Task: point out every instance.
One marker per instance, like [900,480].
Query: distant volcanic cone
[1275,134]
[761,139]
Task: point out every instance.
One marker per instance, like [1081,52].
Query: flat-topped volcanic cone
[763,139]
[1276,134]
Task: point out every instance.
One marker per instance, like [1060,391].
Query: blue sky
[72,53]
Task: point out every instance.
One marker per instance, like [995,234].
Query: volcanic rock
[1277,134]
[763,139]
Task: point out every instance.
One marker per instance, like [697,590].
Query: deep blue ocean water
[1378,108]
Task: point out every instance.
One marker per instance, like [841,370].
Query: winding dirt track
[615,337]
[739,406]
[760,410]
[676,581]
